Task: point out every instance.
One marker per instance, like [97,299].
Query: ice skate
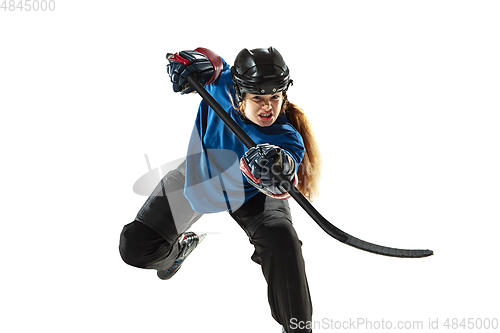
[188,241]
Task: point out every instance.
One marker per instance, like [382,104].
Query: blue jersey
[214,182]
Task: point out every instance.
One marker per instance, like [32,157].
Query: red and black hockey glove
[260,164]
[205,64]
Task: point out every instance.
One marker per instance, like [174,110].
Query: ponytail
[309,171]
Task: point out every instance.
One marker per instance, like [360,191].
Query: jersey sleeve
[294,147]
[222,89]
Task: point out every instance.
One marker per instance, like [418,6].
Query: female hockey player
[254,93]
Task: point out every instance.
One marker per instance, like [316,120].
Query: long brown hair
[309,171]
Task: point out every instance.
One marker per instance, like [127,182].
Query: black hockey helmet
[259,72]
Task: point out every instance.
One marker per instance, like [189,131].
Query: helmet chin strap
[239,94]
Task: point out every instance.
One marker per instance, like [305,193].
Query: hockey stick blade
[344,237]
[329,228]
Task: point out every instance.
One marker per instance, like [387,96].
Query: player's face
[262,110]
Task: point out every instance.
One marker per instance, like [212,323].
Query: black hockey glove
[260,164]
[203,63]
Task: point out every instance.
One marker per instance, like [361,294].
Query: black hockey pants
[149,242]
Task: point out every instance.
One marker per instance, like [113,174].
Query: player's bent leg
[278,251]
[142,247]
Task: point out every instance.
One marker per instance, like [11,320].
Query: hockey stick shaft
[329,228]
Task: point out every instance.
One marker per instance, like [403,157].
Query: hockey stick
[295,193]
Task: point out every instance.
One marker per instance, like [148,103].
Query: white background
[404,97]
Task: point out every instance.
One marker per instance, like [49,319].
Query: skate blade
[201,237]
